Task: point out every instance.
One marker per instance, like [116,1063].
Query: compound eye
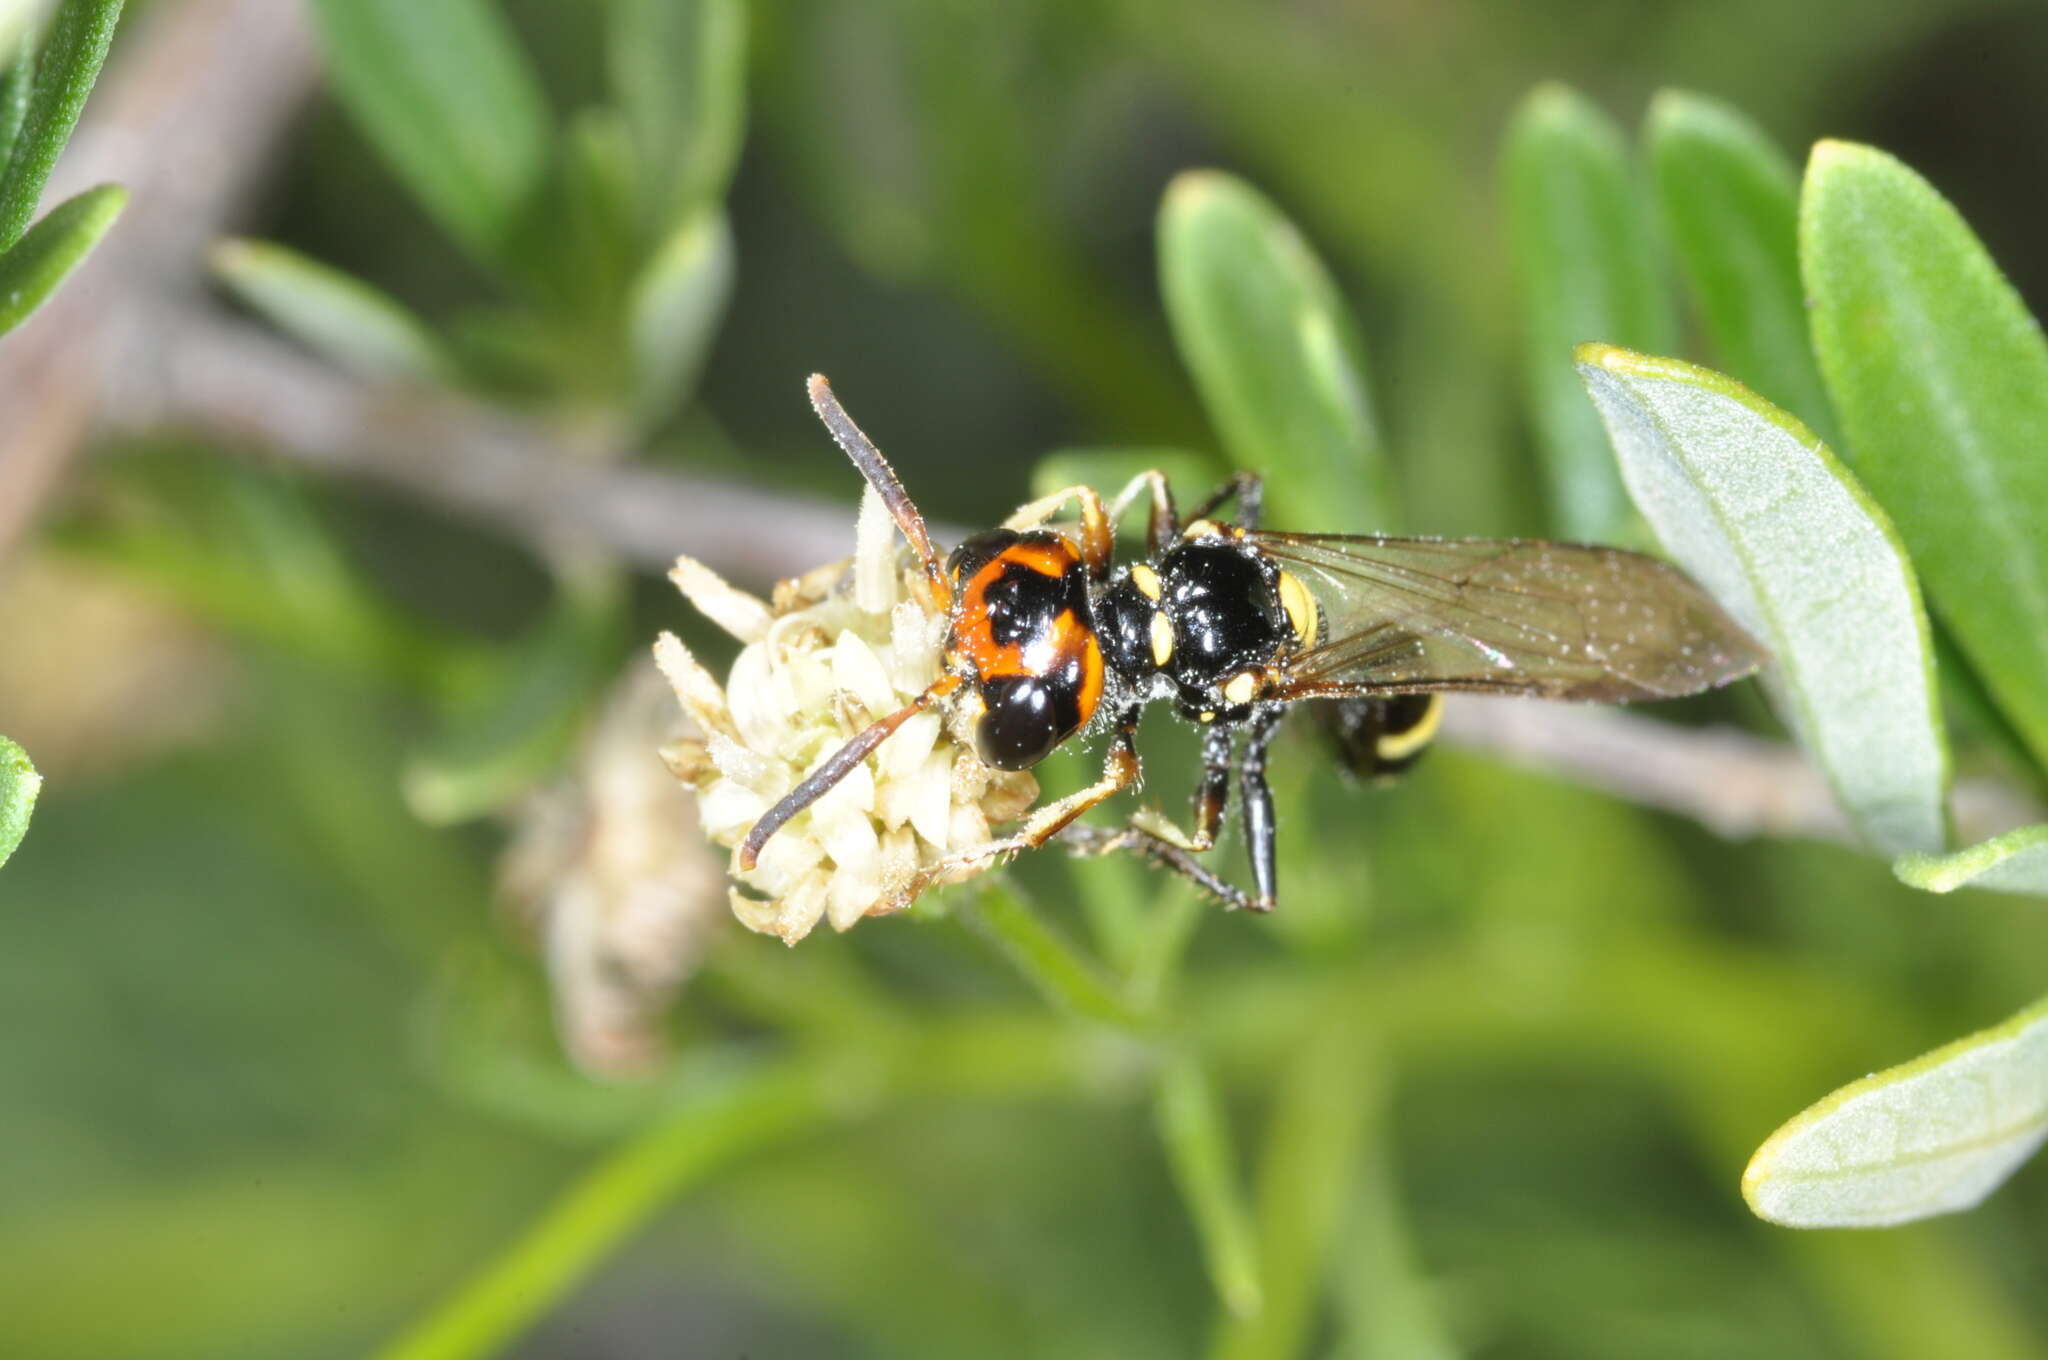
[1021,723]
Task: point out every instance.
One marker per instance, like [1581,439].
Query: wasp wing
[1513,616]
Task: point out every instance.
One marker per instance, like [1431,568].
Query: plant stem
[1196,1136]
[599,1212]
[1045,959]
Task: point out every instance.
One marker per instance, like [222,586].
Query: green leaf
[1729,200]
[1941,379]
[2016,862]
[335,314]
[1274,353]
[1193,1129]
[445,95]
[678,70]
[15,84]
[1585,270]
[53,247]
[19,785]
[1758,509]
[675,309]
[73,49]
[1930,1137]
[518,724]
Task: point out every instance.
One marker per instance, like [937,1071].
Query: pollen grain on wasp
[831,652]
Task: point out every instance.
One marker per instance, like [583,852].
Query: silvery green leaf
[2016,862]
[334,314]
[19,785]
[1930,1137]
[1758,510]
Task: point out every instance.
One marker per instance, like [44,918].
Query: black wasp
[1233,623]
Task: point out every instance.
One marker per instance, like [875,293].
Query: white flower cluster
[834,651]
[609,869]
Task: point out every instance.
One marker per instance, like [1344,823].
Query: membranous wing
[1512,616]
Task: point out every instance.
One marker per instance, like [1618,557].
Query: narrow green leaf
[1729,200]
[1193,1128]
[73,50]
[446,97]
[678,69]
[359,326]
[1308,1167]
[519,723]
[1585,270]
[1930,1137]
[675,309]
[15,84]
[2016,862]
[53,247]
[1758,509]
[1274,353]
[19,785]
[1941,379]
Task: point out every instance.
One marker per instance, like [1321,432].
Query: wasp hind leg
[1155,837]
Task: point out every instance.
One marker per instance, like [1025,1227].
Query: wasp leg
[1099,840]
[1212,797]
[1119,772]
[1164,524]
[1246,489]
[1098,529]
[1258,808]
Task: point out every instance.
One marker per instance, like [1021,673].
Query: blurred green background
[280,1077]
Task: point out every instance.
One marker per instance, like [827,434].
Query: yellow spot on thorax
[1241,688]
[1300,606]
[1146,580]
[1162,637]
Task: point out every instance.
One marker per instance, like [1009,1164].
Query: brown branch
[194,101]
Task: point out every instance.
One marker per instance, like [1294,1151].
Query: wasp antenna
[839,765]
[882,478]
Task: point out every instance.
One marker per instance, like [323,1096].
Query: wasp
[1048,638]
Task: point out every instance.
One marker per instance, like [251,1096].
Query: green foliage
[1586,269]
[334,314]
[1729,202]
[607,234]
[66,66]
[1941,378]
[678,68]
[19,785]
[1273,351]
[446,96]
[52,248]
[1762,514]
[2014,862]
[1930,1137]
